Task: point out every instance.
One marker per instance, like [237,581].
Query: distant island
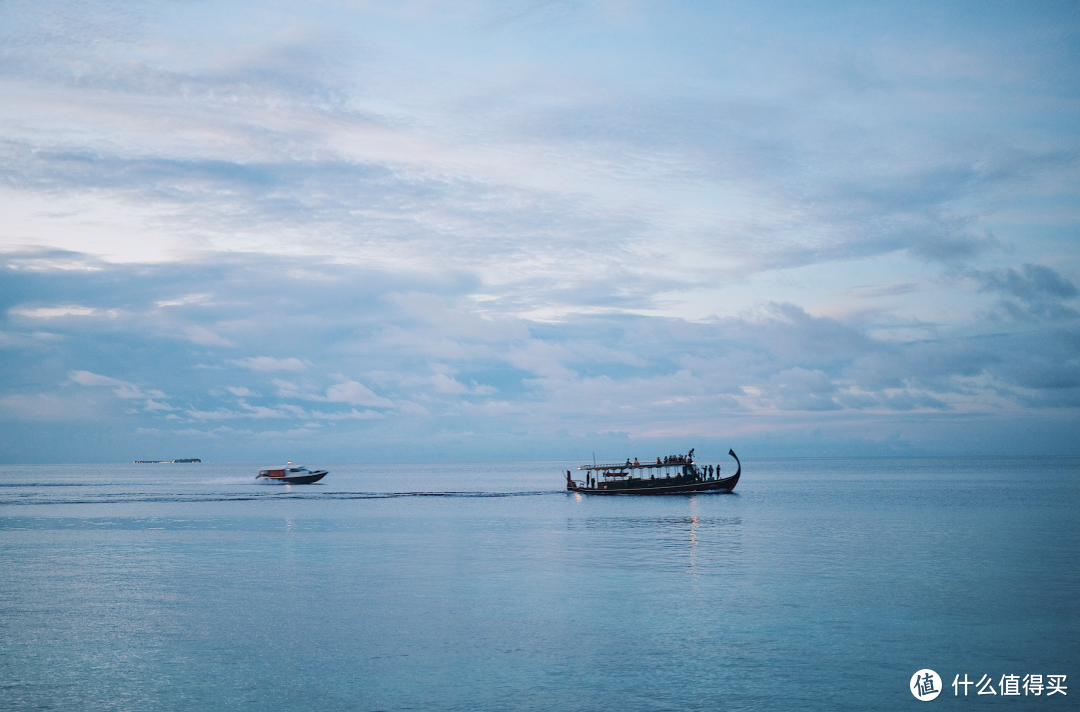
[167,462]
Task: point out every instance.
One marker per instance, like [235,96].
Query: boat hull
[648,487]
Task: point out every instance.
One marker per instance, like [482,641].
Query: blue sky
[365,231]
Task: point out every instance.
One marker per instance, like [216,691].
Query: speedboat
[290,475]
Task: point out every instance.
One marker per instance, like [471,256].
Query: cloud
[409,408]
[260,411]
[47,407]
[220,414]
[55,312]
[196,433]
[269,363]
[801,389]
[541,358]
[345,391]
[86,378]
[449,385]
[354,393]
[22,340]
[906,400]
[202,335]
[349,415]
[1031,283]
[1040,289]
[288,389]
[123,388]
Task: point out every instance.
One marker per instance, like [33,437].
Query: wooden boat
[679,475]
[290,475]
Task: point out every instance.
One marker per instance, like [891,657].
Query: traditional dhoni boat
[678,474]
[290,475]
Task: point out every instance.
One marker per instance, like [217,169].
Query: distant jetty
[167,462]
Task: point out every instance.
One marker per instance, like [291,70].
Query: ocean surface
[818,585]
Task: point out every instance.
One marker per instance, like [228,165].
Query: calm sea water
[819,584]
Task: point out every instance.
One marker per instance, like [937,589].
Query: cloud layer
[406,230]
[354,360]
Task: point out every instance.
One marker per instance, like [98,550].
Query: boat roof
[631,466]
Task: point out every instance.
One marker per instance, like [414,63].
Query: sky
[408,231]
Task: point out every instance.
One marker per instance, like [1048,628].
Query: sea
[819,584]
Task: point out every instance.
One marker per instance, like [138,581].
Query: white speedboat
[290,475]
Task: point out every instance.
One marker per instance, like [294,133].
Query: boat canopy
[282,472]
[632,466]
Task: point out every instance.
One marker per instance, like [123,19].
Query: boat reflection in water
[290,475]
[672,475]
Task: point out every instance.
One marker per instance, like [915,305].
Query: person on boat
[690,455]
[636,462]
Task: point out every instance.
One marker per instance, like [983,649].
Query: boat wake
[137,497]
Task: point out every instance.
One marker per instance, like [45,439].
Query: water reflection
[697,544]
[693,534]
[660,522]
